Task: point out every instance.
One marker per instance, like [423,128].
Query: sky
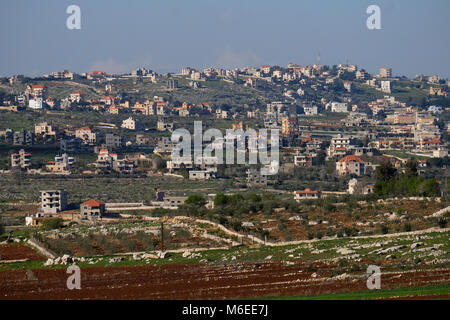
[166,35]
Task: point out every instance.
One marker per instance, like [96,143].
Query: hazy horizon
[119,36]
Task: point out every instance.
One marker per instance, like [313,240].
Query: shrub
[52,223]
[442,223]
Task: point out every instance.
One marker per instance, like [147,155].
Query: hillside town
[91,170]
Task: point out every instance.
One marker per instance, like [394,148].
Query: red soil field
[18,252]
[200,281]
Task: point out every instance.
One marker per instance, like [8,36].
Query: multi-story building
[86,135]
[92,210]
[62,164]
[385,72]
[53,201]
[129,124]
[45,129]
[350,164]
[23,137]
[70,145]
[339,145]
[114,141]
[289,125]
[20,160]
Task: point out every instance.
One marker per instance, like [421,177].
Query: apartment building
[20,160]
[53,201]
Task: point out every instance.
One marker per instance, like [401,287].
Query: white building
[36,103]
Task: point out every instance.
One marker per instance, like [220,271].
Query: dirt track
[200,282]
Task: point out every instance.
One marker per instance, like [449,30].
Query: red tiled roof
[307,191]
[93,203]
[351,158]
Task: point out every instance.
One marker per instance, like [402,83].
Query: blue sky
[118,36]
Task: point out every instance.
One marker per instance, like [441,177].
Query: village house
[76,97]
[350,164]
[130,124]
[45,129]
[86,135]
[339,145]
[307,194]
[92,210]
[62,164]
[255,178]
[37,220]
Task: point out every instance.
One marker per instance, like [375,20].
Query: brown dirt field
[200,282]
[18,252]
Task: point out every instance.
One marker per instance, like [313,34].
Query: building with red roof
[92,210]
[350,164]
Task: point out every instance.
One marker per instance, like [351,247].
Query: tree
[385,172]
[411,168]
[196,200]
[53,223]
[2,229]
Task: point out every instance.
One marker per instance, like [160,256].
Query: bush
[442,223]
[407,227]
[196,199]
[52,223]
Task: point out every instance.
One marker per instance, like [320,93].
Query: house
[45,129]
[70,145]
[113,141]
[164,126]
[289,125]
[311,110]
[92,210]
[339,145]
[173,202]
[339,107]
[350,164]
[305,160]
[386,86]
[201,175]
[53,201]
[86,135]
[36,91]
[307,194]
[77,96]
[255,178]
[36,103]
[385,72]
[129,124]
[37,220]
[20,160]
[23,137]
[62,164]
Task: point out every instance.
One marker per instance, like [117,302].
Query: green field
[376,294]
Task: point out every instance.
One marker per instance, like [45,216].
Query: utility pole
[162,236]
